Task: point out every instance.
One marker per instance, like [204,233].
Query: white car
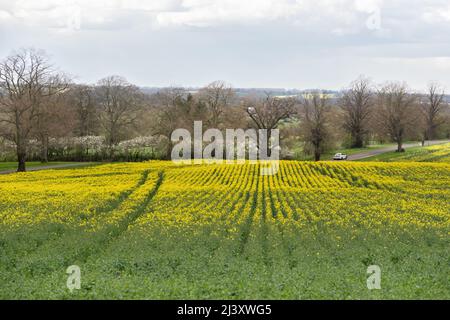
[340,156]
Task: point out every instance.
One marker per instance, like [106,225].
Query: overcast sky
[248,43]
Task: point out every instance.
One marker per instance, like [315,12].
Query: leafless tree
[119,103]
[357,104]
[168,113]
[267,113]
[432,109]
[395,111]
[27,82]
[168,103]
[315,115]
[54,119]
[82,100]
[216,96]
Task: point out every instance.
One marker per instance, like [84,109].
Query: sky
[248,43]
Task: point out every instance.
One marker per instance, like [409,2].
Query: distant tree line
[45,116]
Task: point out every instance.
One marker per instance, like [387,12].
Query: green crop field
[155,230]
[436,153]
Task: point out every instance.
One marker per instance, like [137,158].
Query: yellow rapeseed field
[160,230]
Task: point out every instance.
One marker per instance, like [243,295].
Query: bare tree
[119,103]
[396,111]
[357,104]
[168,103]
[82,100]
[267,113]
[315,116]
[216,96]
[27,82]
[175,108]
[53,120]
[431,110]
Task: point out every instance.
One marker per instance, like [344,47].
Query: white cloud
[60,13]
[198,13]
[153,6]
[341,18]
[205,13]
[368,6]
[440,14]
[4,15]
[201,13]
[244,40]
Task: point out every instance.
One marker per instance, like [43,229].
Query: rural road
[371,153]
[56,166]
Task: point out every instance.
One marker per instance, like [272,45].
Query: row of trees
[394,110]
[387,113]
[40,103]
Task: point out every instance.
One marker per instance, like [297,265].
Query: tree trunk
[358,141]
[111,152]
[44,149]
[269,143]
[169,150]
[21,158]
[431,132]
[399,139]
[399,145]
[112,140]
[316,154]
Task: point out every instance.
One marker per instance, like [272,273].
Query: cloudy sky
[248,43]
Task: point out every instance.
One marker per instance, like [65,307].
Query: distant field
[154,230]
[436,153]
